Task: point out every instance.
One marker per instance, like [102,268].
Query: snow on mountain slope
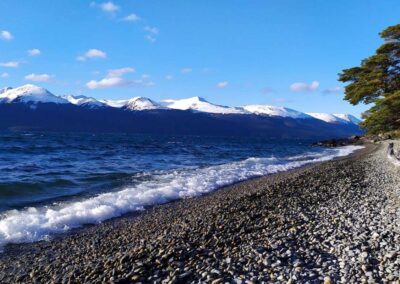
[327,117]
[114,103]
[142,103]
[84,101]
[4,90]
[348,117]
[275,111]
[201,105]
[32,94]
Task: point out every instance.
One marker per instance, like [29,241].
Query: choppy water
[50,183]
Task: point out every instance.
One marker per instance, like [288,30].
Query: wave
[39,223]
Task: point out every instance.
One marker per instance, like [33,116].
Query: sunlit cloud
[169,77]
[334,90]
[117,82]
[108,7]
[10,64]
[151,33]
[4,75]
[114,79]
[152,30]
[131,18]
[119,72]
[150,38]
[34,52]
[6,35]
[107,83]
[92,53]
[304,87]
[222,85]
[38,77]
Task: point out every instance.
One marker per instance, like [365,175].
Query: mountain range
[31,107]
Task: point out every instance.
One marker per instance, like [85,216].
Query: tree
[377,81]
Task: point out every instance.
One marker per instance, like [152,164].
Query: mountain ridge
[32,108]
[34,94]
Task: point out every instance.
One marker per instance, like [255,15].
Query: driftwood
[392,156]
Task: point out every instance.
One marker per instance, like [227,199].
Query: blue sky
[231,52]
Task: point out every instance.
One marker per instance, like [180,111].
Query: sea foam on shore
[38,223]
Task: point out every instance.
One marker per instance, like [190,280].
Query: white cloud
[222,85]
[116,82]
[152,30]
[34,52]
[151,33]
[4,75]
[6,35]
[114,79]
[131,18]
[109,6]
[92,53]
[38,77]
[334,90]
[95,53]
[186,70]
[10,64]
[169,77]
[150,38]
[119,72]
[304,87]
[107,83]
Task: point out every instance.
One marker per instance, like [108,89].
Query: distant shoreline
[253,223]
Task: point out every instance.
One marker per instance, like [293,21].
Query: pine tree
[377,81]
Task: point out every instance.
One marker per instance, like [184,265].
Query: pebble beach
[332,222]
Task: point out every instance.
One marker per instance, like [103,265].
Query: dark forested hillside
[68,117]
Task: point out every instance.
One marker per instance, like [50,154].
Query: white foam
[33,224]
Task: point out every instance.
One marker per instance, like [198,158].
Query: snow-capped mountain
[327,117]
[19,109]
[142,103]
[114,103]
[275,111]
[84,101]
[33,94]
[335,118]
[30,94]
[199,104]
[348,117]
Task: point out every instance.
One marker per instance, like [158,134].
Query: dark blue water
[52,182]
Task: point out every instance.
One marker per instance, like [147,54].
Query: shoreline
[368,147]
[44,222]
[128,235]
